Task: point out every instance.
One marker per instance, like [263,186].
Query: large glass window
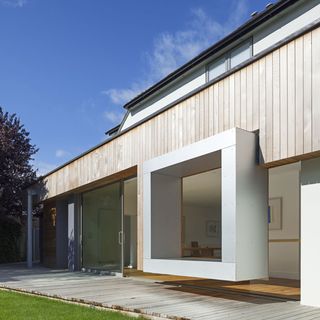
[101,237]
[201,215]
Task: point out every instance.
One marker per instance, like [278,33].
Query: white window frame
[244,213]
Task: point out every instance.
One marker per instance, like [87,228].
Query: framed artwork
[212,228]
[275,213]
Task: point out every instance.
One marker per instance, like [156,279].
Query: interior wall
[165,222]
[201,203]
[310,235]
[195,225]
[284,257]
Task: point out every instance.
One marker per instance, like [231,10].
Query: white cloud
[43,167]
[60,153]
[121,96]
[13,3]
[114,117]
[171,50]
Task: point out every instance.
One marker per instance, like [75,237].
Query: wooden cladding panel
[277,95]
[307,93]
[291,99]
[283,102]
[315,35]
[275,110]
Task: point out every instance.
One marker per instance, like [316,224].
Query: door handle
[120,237]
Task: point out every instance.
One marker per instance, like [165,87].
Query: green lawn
[19,306]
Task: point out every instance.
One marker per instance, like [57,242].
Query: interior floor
[286,289]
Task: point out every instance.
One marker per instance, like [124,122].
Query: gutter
[251,24]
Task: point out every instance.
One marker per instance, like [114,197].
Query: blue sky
[67,67]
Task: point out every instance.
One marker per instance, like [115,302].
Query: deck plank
[162,299]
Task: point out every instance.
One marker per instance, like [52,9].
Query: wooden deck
[285,289]
[151,297]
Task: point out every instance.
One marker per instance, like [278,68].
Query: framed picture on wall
[212,228]
[275,213]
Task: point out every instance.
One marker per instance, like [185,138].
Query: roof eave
[239,32]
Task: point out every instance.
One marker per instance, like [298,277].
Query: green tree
[16,171]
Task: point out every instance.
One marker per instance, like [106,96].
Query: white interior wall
[166,220]
[310,235]
[284,257]
[201,203]
[195,225]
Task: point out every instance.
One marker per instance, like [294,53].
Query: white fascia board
[191,268]
[284,25]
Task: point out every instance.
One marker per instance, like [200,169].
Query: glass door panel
[101,231]
[130,223]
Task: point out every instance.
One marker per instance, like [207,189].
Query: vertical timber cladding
[277,94]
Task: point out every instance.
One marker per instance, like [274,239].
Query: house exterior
[214,171]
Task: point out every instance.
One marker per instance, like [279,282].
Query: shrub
[10,234]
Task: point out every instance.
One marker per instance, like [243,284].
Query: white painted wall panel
[286,24]
[165,222]
[201,269]
[251,210]
[310,235]
[228,204]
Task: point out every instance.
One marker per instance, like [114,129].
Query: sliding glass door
[102,228]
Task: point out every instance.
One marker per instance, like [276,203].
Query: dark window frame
[227,58]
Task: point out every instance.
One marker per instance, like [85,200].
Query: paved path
[149,297]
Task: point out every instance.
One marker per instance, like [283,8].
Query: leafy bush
[10,234]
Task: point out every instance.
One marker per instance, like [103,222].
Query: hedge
[10,234]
